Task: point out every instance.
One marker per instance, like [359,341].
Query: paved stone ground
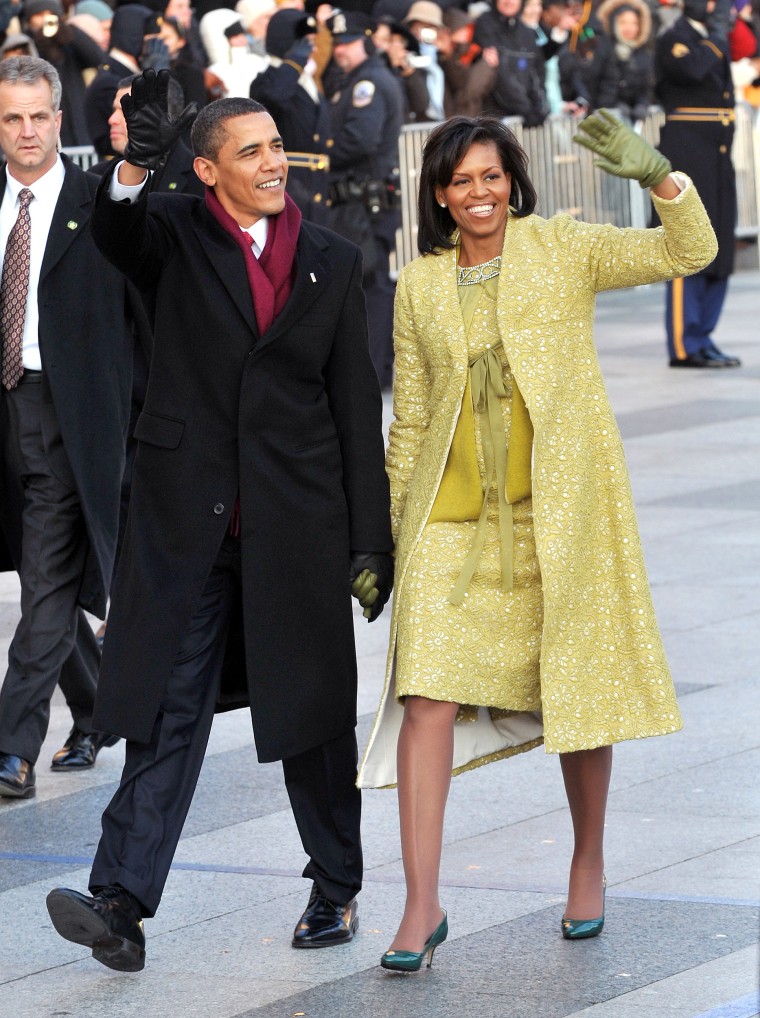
[684,813]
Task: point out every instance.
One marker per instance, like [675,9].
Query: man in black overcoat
[258,491]
[63,415]
[695,89]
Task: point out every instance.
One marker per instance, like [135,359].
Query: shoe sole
[80,925]
[9,792]
[312,945]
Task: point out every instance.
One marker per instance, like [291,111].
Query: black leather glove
[155,55]
[300,52]
[371,576]
[151,132]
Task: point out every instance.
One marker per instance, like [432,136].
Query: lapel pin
[312,277]
[72,225]
[173,186]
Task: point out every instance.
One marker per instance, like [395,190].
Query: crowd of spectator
[515,58]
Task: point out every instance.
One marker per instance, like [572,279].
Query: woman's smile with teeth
[479,210]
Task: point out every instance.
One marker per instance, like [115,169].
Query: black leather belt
[30,375]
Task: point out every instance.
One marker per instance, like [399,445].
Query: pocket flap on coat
[165,432]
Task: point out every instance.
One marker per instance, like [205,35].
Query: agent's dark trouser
[53,643]
[143,822]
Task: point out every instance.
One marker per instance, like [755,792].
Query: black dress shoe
[717,359]
[325,923]
[16,777]
[110,924]
[692,360]
[80,750]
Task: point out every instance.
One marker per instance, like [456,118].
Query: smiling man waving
[259,494]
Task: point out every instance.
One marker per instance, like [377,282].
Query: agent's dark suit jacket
[292,421]
[86,350]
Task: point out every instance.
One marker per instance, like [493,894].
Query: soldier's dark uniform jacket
[301,113]
[695,89]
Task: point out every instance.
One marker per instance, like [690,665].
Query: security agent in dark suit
[366,115]
[62,424]
[695,89]
[259,492]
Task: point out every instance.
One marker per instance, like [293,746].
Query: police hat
[345,26]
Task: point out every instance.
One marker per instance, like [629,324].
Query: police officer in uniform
[366,116]
[694,87]
[288,90]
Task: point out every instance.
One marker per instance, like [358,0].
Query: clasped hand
[371,576]
[621,151]
[151,131]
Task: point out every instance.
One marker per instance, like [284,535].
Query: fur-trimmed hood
[608,11]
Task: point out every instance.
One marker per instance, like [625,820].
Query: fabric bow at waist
[487,384]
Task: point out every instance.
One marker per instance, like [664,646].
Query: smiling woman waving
[522,612]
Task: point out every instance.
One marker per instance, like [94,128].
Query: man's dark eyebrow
[253,145]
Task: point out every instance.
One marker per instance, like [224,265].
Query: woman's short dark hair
[444,150]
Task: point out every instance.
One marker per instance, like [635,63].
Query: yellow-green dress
[483,650]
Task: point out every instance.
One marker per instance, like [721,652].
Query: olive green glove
[371,576]
[621,151]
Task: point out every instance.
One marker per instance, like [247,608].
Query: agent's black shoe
[717,359]
[16,777]
[109,924]
[80,750]
[324,923]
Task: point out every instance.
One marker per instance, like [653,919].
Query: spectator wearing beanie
[99,10]
[127,36]
[70,51]
[232,64]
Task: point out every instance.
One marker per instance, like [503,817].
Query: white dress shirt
[46,191]
[131,192]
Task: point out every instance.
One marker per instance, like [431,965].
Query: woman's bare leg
[587,781]
[425,753]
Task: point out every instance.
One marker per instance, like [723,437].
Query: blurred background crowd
[341,83]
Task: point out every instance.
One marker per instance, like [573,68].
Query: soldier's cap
[345,26]
[425,11]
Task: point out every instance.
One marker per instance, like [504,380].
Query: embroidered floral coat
[604,676]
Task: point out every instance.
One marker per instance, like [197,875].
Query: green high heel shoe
[581,929]
[411,961]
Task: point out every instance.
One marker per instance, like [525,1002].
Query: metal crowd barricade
[566,179]
[84,156]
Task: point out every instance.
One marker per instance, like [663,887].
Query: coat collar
[313,273]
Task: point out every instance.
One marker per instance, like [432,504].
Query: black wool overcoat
[292,421]
[86,349]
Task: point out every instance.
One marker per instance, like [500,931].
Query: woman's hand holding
[621,151]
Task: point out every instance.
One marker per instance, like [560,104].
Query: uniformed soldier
[695,89]
[288,90]
[366,116]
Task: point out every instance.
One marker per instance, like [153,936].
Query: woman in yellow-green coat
[522,610]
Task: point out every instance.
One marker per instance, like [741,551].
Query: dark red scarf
[270,277]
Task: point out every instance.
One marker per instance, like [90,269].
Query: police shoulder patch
[679,50]
[363,94]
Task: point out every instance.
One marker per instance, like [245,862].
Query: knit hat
[128,28]
[249,10]
[97,8]
[285,27]
[40,6]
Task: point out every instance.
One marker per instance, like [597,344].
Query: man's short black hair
[208,133]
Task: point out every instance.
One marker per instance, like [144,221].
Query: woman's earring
[443,204]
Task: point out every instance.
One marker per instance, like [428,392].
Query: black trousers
[53,643]
[143,822]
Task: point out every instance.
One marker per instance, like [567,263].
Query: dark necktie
[13,291]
